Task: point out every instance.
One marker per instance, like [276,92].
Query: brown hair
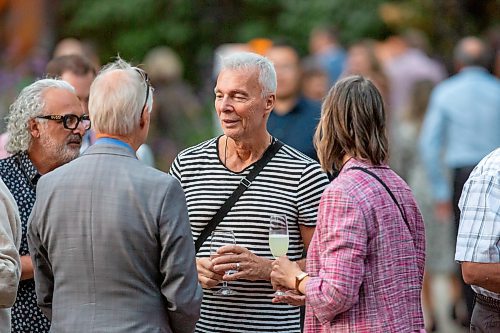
[352,122]
[74,63]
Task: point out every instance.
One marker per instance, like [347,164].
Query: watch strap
[298,279]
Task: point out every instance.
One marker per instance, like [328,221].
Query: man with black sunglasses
[45,126]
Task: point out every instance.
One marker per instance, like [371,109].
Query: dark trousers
[460,176]
[485,317]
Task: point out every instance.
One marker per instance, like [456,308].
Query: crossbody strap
[242,186]
[388,191]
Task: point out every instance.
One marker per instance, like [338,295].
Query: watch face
[301,276]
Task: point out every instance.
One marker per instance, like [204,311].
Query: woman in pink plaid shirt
[366,260]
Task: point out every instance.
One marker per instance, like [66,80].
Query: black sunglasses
[70,121]
[145,77]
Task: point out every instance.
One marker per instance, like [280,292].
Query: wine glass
[218,239]
[278,239]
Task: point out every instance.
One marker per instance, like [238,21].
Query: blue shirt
[479,231]
[296,128]
[462,122]
[333,62]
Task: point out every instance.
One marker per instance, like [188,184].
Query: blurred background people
[362,60]
[25,38]
[128,246]
[177,120]
[440,268]
[46,124]
[461,126]
[315,82]
[10,262]
[294,118]
[326,51]
[407,64]
[71,45]
[359,263]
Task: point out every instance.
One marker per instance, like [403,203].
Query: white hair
[117,96]
[249,61]
[29,104]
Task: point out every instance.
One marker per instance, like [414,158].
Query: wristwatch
[298,280]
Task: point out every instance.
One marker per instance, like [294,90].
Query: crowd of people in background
[351,125]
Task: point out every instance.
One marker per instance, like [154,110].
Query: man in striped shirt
[290,184]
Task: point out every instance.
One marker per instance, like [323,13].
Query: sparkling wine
[278,244]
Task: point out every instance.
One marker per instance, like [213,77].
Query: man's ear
[34,128]
[145,117]
[270,100]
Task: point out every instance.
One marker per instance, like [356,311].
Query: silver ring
[238,266]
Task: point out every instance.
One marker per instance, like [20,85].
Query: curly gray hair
[29,104]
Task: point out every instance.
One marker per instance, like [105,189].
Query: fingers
[281,261]
[291,298]
[230,266]
[235,276]
[247,264]
[227,259]
[231,249]
[206,282]
[205,266]
[231,261]
[276,274]
[207,276]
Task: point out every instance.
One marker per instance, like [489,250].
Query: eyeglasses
[70,121]
[145,77]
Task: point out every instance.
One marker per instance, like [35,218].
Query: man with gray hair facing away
[45,125]
[111,241]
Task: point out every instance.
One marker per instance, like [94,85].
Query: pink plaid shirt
[366,267]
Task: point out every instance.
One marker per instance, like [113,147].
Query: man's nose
[226,104]
[80,129]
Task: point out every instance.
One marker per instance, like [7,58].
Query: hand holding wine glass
[218,239]
[278,239]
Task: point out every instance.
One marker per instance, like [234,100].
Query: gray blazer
[10,262]
[112,248]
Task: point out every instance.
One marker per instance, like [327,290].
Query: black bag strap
[242,186]
[388,191]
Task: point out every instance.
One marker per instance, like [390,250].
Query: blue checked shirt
[479,231]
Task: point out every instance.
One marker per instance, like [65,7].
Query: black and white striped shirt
[291,184]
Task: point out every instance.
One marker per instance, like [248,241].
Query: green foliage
[194,28]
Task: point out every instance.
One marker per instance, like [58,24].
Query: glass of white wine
[218,239]
[278,239]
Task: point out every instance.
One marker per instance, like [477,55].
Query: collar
[28,166]
[473,69]
[114,141]
[30,173]
[360,163]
